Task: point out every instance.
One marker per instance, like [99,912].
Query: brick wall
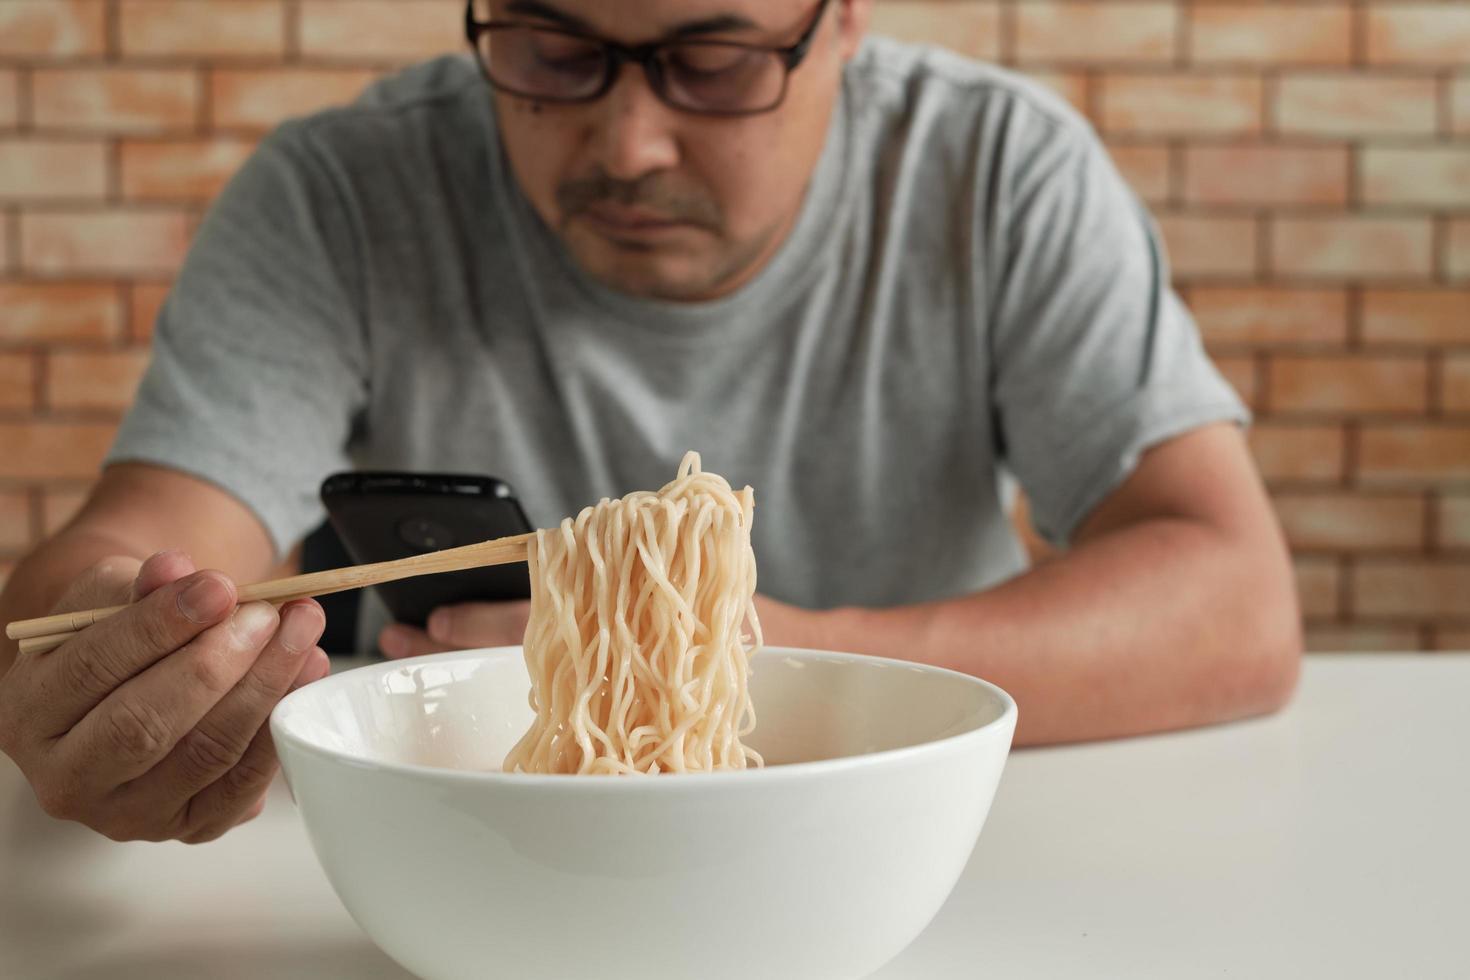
[1309,163]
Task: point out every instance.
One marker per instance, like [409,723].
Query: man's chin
[665,272]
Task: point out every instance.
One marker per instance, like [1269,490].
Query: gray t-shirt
[969,294]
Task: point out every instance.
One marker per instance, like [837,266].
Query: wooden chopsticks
[48,632]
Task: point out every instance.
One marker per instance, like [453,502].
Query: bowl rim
[1005,720]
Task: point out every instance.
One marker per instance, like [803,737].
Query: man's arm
[1175,607]
[133,511]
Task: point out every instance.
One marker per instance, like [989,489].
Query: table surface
[1332,839]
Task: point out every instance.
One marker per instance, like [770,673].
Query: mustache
[580,193]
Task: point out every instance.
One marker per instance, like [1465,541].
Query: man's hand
[497,624]
[152,724]
[458,627]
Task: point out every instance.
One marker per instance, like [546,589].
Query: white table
[1332,840]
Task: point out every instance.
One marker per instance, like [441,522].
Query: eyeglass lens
[698,75]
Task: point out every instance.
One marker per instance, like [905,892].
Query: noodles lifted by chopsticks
[635,647]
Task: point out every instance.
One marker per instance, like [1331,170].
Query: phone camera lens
[424,534]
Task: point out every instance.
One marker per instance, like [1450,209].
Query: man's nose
[635,130]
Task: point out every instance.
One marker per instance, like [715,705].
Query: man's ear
[852,23]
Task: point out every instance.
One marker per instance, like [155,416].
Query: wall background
[1309,162]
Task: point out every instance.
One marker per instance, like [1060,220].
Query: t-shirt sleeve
[259,369]
[1095,359]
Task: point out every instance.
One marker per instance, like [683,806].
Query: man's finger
[480,624]
[237,795]
[398,640]
[139,723]
[79,674]
[212,747]
[159,570]
[104,584]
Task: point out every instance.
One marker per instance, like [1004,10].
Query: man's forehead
[641,20]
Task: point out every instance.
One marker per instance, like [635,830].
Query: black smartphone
[381,516]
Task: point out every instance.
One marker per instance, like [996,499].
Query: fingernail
[255,621]
[392,642]
[300,627]
[439,624]
[205,601]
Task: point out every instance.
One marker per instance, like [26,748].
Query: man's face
[661,202]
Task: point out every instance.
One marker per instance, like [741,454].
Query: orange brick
[52,28]
[1356,105]
[44,313]
[115,99]
[1091,32]
[1405,587]
[1297,452]
[1428,176]
[1200,245]
[9,99]
[38,169]
[381,29]
[1349,384]
[1240,371]
[1454,521]
[127,242]
[1146,168]
[1351,522]
[43,450]
[1072,86]
[1416,316]
[1457,250]
[1414,454]
[1255,174]
[1318,586]
[1452,639]
[970,28]
[1181,103]
[95,379]
[58,506]
[187,28]
[258,99]
[180,169]
[1264,315]
[144,303]
[1418,33]
[15,520]
[1251,33]
[1352,246]
[1359,638]
[1460,104]
[17,381]
[1454,384]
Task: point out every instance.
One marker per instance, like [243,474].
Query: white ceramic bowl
[825,864]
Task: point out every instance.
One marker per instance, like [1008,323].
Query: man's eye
[570,53]
[708,59]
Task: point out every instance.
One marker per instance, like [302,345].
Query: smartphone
[381,516]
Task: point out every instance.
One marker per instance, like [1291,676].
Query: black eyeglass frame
[644,55]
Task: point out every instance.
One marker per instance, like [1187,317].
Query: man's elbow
[1281,667]
[1272,652]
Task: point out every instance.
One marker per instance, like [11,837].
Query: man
[870,280]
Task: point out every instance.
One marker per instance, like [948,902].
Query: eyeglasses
[719,78]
